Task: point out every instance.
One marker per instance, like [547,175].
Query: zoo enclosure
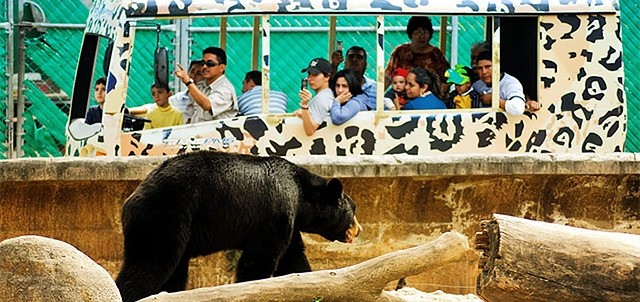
[35,122]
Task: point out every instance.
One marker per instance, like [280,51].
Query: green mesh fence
[631,47]
[3,96]
[51,60]
[4,80]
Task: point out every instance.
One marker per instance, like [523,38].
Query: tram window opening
[519,51]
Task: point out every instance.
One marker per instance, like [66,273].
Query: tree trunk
[361,282]
[525,260]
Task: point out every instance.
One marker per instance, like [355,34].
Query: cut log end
[527,260]
[487,241]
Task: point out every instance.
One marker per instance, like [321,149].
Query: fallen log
[361,282]
[525,260]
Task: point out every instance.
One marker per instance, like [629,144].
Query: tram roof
[161,8]
[107,15]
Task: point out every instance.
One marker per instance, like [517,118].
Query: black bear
[199,203]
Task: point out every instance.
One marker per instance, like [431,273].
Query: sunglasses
[209,63]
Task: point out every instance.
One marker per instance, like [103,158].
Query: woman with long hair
[349,96]
[423,91]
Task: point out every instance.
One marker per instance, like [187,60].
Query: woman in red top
[418,52]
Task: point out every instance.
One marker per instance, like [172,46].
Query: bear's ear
[334,189]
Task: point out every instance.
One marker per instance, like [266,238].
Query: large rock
[34,268]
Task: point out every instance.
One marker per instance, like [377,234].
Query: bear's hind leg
[152,252]
[178,280]
[294,260]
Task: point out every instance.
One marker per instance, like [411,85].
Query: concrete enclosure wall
[401,202]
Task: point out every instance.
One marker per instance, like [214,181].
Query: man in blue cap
[313,110]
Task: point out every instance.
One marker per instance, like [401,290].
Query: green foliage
[232,256]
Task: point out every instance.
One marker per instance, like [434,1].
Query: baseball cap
[318,65]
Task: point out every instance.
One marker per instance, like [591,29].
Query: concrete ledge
[136,168]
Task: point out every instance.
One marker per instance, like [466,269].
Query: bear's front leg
[294,260]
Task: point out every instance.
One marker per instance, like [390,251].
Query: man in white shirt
[313,110]
[512,98]
[214,96]
[181,100]
[250,102]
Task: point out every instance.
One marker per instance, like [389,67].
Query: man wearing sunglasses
[214,95]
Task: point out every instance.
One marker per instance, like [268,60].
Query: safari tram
[566,54]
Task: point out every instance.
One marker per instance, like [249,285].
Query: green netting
[3,96]
[631,46]
[3,82]
[43,135]
[3,11]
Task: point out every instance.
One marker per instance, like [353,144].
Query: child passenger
[397,92]
[163,115]
[464,96]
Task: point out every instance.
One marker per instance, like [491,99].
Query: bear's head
[331,213]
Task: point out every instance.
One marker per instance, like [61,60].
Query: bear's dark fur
[199,203]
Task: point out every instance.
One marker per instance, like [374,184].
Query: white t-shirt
[320,105]
[510,90]
[183,103]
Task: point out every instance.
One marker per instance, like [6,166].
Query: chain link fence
[631,46]
[3,81]
[51,59]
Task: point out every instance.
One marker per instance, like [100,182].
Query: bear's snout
[353,231]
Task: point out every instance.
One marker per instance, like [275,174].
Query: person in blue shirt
[94,114]
[350,98]
[250,102]
[357,62]
[423,90]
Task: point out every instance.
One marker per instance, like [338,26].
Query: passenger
[313,110]
[181,100]
[418,52]
[357,61]
[94,114]
[397,92]
[250,101]
[512,98]
[463,96]
[422,90]
[163,115]
[475,50]
[214,97]
[350,98]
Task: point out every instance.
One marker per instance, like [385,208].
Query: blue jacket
[429,101]
[341,114]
